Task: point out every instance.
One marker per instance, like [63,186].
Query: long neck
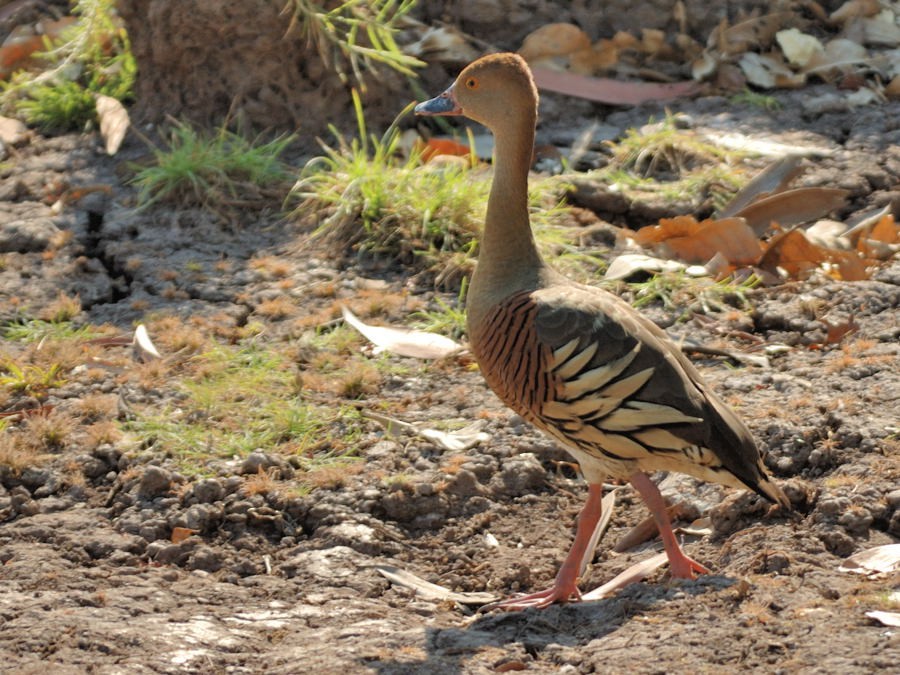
[508,259]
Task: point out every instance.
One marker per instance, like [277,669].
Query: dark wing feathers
[574,319]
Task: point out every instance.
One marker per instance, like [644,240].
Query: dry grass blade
[452,441]
[428,590]
[792,207]
[632,575]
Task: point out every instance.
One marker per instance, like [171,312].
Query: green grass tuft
[363,199]
[240,399]
[91,57]
[358,33]
[210,169]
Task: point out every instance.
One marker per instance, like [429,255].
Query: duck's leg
[680,565]
[565,588]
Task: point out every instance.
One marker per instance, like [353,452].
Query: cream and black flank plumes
[577,361]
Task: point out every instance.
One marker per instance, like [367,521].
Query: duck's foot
[683,567]
[558,593]
[680,565]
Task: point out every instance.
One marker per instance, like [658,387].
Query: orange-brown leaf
[791,253]
[179,534]
[442,146]
[695,242]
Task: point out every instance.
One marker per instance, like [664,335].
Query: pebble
[206,559]
[521,474]
[258,460]
[24,236]
[200,517]
[207,491]
[92,467]
[155,481]
[893,499]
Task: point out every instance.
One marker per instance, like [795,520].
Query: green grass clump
[212,169]
[757,99]
[363,199]
[665,148]
[336,33]
[682,293]
[239,399]
[36,330]
[91,57]
[29,379]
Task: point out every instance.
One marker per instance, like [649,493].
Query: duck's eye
[472,83]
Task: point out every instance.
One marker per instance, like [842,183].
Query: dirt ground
[274,582]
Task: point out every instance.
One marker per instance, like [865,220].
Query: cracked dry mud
[92,581]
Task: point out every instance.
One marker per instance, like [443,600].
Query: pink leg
[565,587]
[681,566]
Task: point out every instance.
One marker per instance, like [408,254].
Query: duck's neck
[508,260]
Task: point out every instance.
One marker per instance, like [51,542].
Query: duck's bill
[445,104]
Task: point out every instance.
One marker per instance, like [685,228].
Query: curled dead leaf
[874,561]
[114,122]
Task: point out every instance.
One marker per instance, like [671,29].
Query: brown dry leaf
[624,40]
[553,39]
[838,331]
[704,66]
[769,71]
[179,534]
[755,33]
[443,44]
[791,254]
[892,88]
[774,178]
[605,90]
[644,531]
[792,207]
[599,57]
[114,122]
[653,42]
[855,8]
[695,242]
[881,241]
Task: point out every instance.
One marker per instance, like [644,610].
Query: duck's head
[493,90]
